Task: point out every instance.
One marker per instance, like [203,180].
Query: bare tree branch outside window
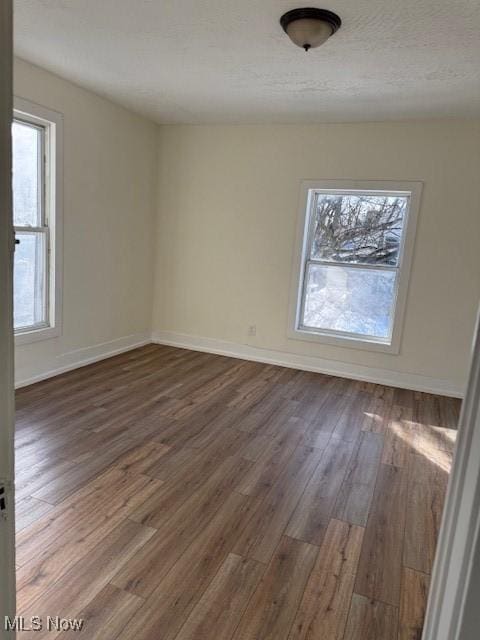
[358,228]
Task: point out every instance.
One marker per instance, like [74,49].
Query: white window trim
[54,210]
[414,188]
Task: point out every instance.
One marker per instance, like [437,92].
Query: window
[36,151]
[351,276]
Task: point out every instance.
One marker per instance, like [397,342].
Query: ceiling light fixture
[309,28]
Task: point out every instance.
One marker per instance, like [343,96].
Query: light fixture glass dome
[309,27]
[308,33]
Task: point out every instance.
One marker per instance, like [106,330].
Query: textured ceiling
[198,61]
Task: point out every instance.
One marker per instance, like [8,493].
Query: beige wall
[228,201]
[109,207]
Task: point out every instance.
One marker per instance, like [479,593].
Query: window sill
[344,341]
[36,335]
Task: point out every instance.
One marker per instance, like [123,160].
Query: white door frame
[452,613]
[7,529]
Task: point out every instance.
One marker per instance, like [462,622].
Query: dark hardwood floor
[168,494]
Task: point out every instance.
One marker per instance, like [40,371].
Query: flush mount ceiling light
[309,28]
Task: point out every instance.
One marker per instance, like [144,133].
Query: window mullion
[43,229]
[355,265]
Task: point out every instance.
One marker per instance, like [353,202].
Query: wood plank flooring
[166,493]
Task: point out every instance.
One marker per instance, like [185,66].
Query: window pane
[26,188]
[29,307]
[350,299]
[358,228]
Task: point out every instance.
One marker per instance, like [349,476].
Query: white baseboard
[80,358]
[88,355]
[387,377]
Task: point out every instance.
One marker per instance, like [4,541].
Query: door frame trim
[7,519]
[449,615]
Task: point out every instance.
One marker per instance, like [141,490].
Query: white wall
[228,201]
[110,171]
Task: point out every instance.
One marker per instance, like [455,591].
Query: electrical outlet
[252,330]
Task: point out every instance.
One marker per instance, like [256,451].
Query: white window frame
[52,193]
[308,189]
